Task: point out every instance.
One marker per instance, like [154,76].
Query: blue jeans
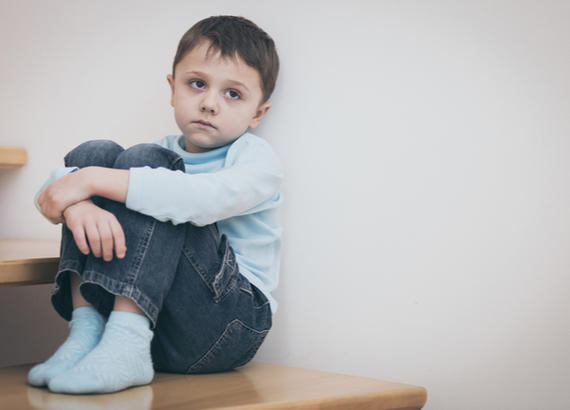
[206,316]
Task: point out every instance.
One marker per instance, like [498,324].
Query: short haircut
[231,36]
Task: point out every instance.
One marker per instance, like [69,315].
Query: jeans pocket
[226,278]
[234,348]
[214,261]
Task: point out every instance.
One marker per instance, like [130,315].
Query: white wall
[426,148]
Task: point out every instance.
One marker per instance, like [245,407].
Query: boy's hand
[103,230]
[62,193]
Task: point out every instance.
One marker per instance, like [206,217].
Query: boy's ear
[261,111]
[171,82]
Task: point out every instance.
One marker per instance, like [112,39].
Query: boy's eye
[233,95]
[198,84]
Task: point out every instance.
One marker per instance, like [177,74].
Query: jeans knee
[152,155]
[101,153]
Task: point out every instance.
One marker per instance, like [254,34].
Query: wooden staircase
[12,157]
[24,262]
[256,386]
[27,262]
[260,386]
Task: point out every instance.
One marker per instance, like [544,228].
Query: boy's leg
[86,324]
[213,319]
[154,247]
[122,358]
[101,153]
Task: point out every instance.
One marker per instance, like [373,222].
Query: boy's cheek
[182,109]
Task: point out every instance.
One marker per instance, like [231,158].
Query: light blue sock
[86,328]
[121,359]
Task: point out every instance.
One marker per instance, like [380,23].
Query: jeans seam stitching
[225,334]
[196,265]
[261,306]
[126,290]
[142,248]
[212,348]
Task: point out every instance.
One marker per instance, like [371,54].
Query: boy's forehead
[203,53]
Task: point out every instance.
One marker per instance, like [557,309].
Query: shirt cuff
[54,176]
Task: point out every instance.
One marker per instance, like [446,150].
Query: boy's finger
[119,239]
[106,241]
[94,240]
[80,241]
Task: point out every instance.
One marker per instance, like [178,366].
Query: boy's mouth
[204,123]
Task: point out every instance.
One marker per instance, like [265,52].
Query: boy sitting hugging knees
[170,251]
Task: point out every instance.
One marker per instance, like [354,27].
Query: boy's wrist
[88,180]
[106,182]
[71,207]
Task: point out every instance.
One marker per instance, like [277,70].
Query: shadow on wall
[32,329]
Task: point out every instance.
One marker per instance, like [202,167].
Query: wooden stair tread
[12,157]
[28,262]
[255,386]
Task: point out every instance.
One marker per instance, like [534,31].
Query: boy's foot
[121,359]
[86,328]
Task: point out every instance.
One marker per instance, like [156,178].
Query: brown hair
[231,36]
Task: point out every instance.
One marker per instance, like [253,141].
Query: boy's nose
[208,109]
[209,103]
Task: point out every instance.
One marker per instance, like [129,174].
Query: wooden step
[12,157]
[256,386]
[27,262]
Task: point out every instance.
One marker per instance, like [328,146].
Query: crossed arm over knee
[67,201]
[103,172]
[80,185]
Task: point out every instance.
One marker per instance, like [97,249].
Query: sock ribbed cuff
[86,316]
[129,319]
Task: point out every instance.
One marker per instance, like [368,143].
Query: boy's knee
[152,155]
[101,153]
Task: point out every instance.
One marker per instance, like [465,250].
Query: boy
[192,220]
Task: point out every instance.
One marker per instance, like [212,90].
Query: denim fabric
[206,316]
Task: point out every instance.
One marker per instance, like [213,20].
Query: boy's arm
[82,184]
[251,184]
[94,229]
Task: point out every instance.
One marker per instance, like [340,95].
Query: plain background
[426,149]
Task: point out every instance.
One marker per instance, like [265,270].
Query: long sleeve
[54,176]
[249,182]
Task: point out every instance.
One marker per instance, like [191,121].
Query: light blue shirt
[237,186]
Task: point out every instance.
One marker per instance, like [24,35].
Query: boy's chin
[196,145]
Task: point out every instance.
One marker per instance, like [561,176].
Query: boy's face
[215,99]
